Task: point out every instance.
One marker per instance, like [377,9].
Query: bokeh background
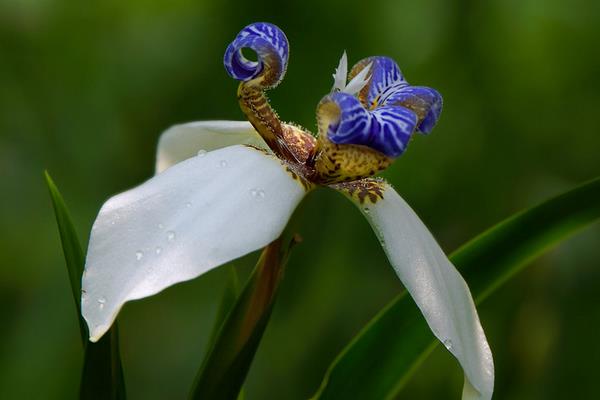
[87,87]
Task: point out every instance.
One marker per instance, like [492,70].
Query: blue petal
[424,101]
[386,78]
[270,45]
[388,87]
[386,129]
[392,129]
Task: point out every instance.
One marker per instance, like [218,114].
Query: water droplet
[258,194]
[158,250]
[223,163]
[171,235]
[138,255]
[101,301]
[201,153]
[112,222]
[448,344]
[83,296]
[367,210]
[160,226]
[188,204]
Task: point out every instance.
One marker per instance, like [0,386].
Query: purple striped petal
[270,45]
[424,101]
[391,129]
[386,129]
[388,87]
[386,78]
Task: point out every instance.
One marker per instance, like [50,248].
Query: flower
[224,189]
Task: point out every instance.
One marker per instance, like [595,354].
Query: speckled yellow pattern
[343,162]
[347,162]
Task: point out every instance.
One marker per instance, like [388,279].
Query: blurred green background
[87,87]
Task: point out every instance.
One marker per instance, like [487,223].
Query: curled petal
[386,129]
[194,216]
[271,47]
[425,102]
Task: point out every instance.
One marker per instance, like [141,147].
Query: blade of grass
[71,248]
[381,358]
[102,375]
[226,366]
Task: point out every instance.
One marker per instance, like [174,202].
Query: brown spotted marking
[255,105]
[307,185]
[364,190]
[300,141]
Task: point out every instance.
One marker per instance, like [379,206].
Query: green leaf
[226,366]
[230,295]
[380,359]
[102,375]
[71,248]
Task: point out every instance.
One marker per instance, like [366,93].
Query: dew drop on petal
[201,153]
[188,204]
[223,163]
[139,255]
[171,236]
[257,194]
[83,296]
[160,226]
[101,301]
[448,344]
[158,250]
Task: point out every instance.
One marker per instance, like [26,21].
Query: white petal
[436,286]
[195,216]
[183,141]
[341,74]
[359,81]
